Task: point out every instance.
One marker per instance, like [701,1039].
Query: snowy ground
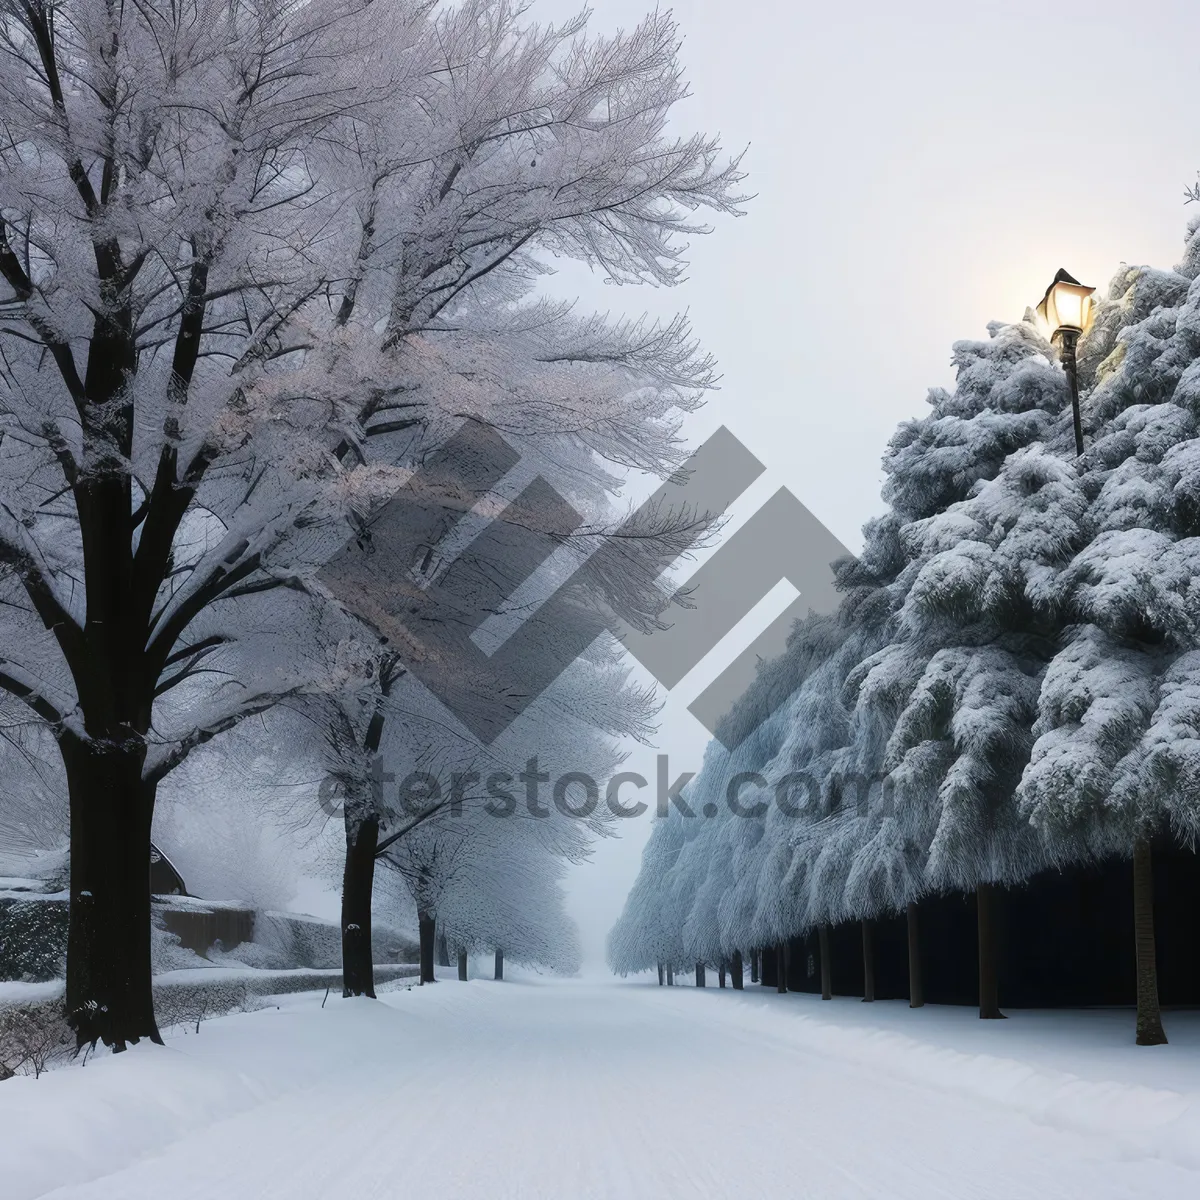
[602,1089]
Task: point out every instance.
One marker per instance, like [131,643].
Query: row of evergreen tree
[1011,682]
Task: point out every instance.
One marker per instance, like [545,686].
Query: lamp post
[1066,308]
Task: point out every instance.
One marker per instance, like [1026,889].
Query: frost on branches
[211,377]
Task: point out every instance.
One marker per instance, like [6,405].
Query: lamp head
[1067,305]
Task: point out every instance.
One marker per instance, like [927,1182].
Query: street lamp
[1066,309]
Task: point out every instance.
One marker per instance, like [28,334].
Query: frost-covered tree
[353,724]
[942,704]
[889,772]
[1082,570]
[486,578]
[1020,676]
[645,937]
[853,767]
[516,140]
[207,371]
[156,229]
[1114,764]
[486,819]
[511,904]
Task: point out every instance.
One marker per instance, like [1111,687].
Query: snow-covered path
[572,1090]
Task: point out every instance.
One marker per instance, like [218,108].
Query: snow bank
[92,1118]
[15,991]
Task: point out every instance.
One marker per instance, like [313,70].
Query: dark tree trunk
[443,951]
[358,873]
[1149,1016]
[108,989]
[753,966]
[108,992]
[781,967]
[427,928]
[989,975]
[735,971]
[499,963]
[767,966]
[720,974]
[699,974]
[462,965]
[826,963]
[916,986]
[670,977]
[868,947]
[661,979]
[358,882]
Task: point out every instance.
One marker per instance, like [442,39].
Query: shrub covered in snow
[33,1037]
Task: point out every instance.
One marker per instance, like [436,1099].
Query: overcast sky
[919,169]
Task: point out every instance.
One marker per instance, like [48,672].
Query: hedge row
[33,938]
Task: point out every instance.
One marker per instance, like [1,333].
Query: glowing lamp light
[1067,305]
